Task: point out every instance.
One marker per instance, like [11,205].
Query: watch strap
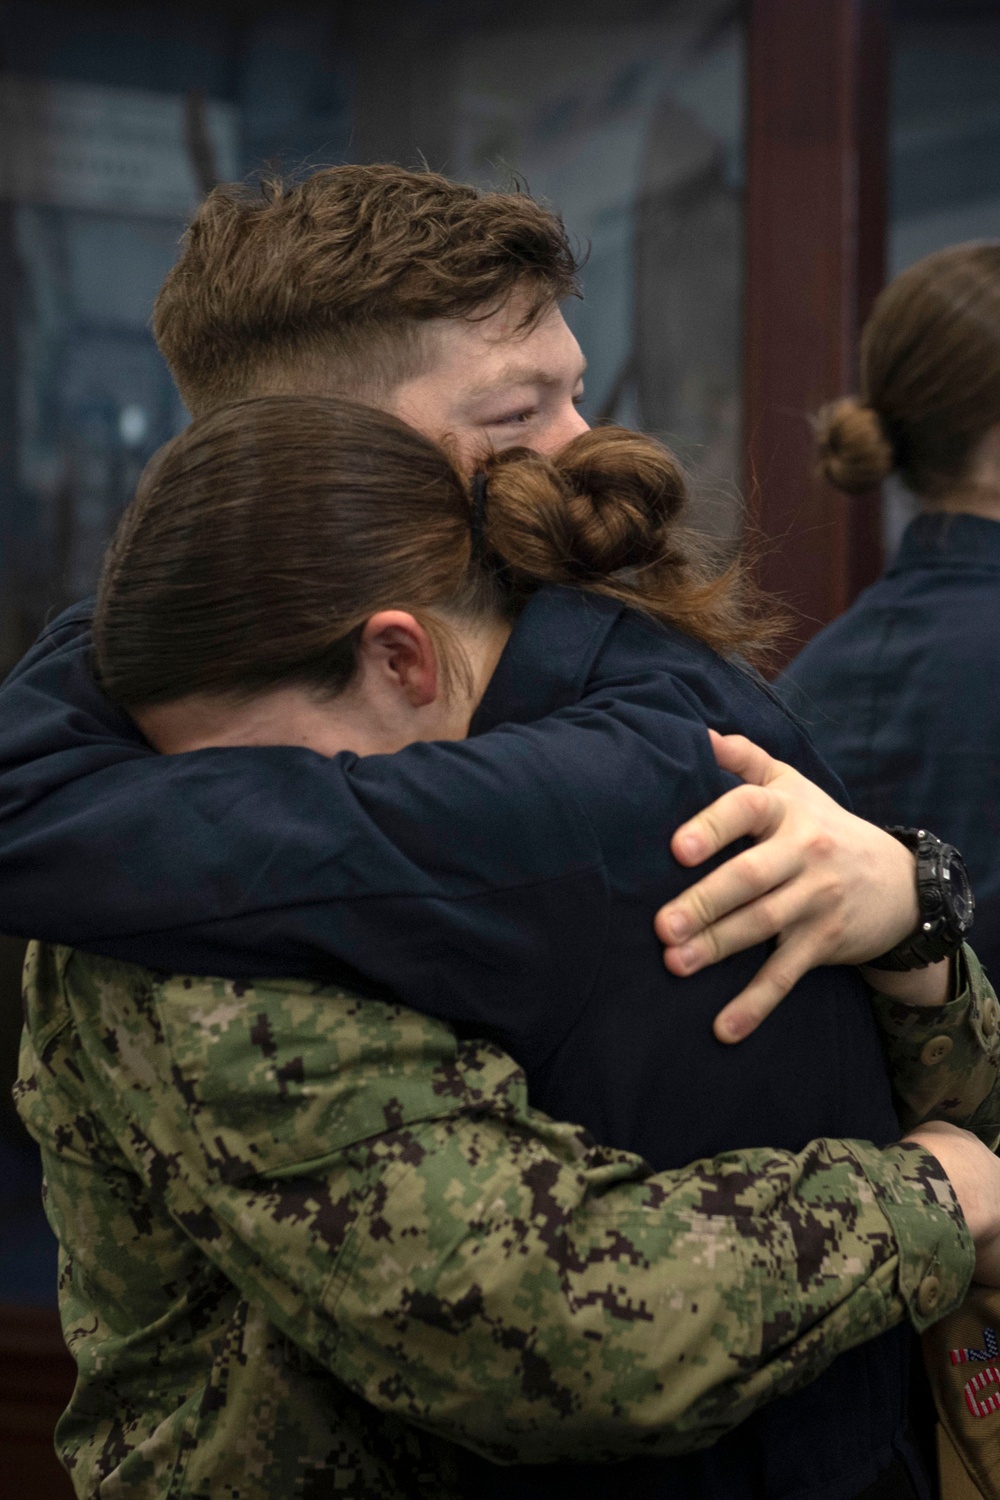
[938,935]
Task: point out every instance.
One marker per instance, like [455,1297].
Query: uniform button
[936,1050]
[928,1295]
[990,1016]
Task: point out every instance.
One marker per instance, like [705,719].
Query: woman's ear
[399,654]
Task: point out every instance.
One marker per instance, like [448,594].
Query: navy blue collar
[548,658]
[945,538]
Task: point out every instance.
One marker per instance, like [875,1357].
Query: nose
[576,423]
[568,425]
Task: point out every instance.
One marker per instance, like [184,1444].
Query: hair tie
[478,526]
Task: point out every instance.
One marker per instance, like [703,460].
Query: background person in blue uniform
[902,693]
[308,573]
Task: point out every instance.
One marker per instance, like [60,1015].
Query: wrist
[935,1246]
[931,987]
[898,910]
[955,1152]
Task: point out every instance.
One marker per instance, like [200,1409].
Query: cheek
[514,437]
[429,405]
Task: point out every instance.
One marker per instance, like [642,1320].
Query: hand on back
[828,886]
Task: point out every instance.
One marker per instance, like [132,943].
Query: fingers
[757,922]
[743,811]
[734,752]
[742,880]
[764,993]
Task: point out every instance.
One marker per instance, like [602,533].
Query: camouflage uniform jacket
[310,1242]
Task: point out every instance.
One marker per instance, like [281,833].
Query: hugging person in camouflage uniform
[279,1199]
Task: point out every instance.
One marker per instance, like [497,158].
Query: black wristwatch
[945,899]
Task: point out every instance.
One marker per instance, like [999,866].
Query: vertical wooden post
[818,75]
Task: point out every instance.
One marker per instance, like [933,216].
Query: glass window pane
[626,115]
[945,149]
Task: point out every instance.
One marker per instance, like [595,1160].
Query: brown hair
[930,378]
[261,540]
[344,267]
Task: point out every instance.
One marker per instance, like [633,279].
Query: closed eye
[514,418]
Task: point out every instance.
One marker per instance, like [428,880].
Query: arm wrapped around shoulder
[385,1195]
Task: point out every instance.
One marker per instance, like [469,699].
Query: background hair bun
[855,452]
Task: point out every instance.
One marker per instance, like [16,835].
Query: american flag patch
[979,1405]
[990,1350]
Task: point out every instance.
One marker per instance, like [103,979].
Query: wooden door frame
[817,134]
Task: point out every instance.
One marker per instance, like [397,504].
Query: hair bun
[605,503]
[606,514]
[855,451]
[624,492]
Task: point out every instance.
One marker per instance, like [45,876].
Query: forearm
[590,1320]
[483,1285]
[944,1061]
[487,1283]
[277,861]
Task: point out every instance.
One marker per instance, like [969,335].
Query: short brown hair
[263,538]
[930,378]
[346,265]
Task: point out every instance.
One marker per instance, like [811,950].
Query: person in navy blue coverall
[87,813]
[506,882]
[901,693]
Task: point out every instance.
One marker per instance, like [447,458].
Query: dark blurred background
[629,115]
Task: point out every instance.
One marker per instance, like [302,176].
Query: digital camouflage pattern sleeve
[308,1239]
[944,1061]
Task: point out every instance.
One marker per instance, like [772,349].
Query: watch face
[959,893]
